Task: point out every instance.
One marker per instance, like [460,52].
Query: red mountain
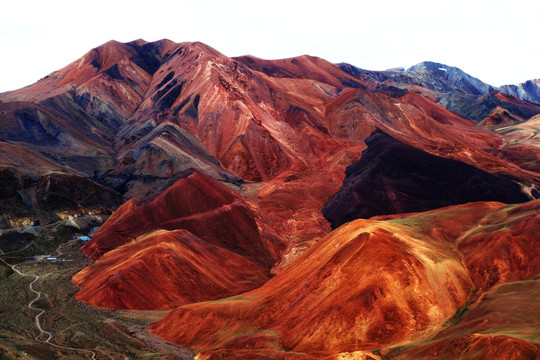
[196,203]
[168,265]
[226,165]
[223,249]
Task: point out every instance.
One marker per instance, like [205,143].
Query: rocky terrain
[287,208]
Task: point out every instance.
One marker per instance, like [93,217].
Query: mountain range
[289,209]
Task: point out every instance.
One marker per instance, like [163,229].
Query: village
[59,257]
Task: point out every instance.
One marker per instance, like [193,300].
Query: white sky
[494,40]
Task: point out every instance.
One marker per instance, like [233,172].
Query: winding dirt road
[30,305]
[46,337]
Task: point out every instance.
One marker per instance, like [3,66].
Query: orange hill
[367,285]
[173,267]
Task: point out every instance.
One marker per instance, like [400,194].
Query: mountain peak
[431,65]
[454,76]
[529,90]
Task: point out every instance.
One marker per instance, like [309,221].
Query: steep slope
[485,104]
[522,145]
[85,102]
[131,116]
[393,178]
[322,305]
[303,67]
[108,82]
[221,250]
[334,138]
[292,124]
[417,121]
[77,114]
[220,103]
[228,163]
[72,139]
[500,117]
[199,204]
[430,75]
[167,265]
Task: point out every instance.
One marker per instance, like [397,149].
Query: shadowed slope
[392,177]
[132,116]
[417,121]
[136,114]
[338,139]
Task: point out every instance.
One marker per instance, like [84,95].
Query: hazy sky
[494,40]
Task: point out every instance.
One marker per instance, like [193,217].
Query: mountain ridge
[218,169]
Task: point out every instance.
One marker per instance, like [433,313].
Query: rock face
[393,178]
[322,304]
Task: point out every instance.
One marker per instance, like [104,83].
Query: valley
[41,319]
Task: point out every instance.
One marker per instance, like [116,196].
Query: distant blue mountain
[455,89]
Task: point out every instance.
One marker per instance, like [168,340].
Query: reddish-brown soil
[199,204]
[368,284]
[223,249]
[269,142]
[175,267]
[503,325]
